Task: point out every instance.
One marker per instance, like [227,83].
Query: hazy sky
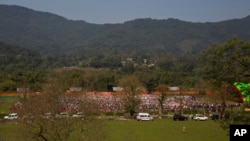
[119,11]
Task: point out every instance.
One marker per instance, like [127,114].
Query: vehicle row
[13,116]
[196,117]
[176,117]
[139,116]
[64,115]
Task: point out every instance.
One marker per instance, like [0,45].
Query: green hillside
[50,33]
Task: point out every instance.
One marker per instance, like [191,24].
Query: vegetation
[76,41]
[162,88]
[232,57]
[43,52]
[225,64]
[41,116]
[165,129]
[100,78]
[158,51]
[131,88]
[5,104]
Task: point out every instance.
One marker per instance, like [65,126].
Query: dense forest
[36,46]
[49,33]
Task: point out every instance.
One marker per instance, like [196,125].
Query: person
[184,129]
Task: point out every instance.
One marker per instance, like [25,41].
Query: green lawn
[165,129]
[6,102]
[158,130]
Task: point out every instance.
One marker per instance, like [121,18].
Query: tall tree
[40,125]
[131,86]
[162,88]
[226,63]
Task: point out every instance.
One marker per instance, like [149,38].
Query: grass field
[157,130]
[6,102]
[166,129]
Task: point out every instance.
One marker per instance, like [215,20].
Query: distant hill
[13,59]
[43,31]
[50,33]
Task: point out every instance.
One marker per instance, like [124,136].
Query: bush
[114,114]
[2,116]
[164,112]
[119,114]
[186,112]
[7,85]
[109,114]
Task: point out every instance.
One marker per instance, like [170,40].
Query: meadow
[166,129]
[6,102]
[157,130]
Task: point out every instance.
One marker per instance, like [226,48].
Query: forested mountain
[14,59]
[171,36]
[43,31]
[49,33]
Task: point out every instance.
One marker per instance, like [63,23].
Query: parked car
[11,116]
[78,114]
[62,115]
[144,117]
[195,115]
[215,117]
[46,115]
[179,117]
[28,116]
[200,117]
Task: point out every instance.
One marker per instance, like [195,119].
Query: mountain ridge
[52,34]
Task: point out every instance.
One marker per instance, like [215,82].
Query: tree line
[21,67]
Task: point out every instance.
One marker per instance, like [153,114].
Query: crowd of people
[151,102]
[148,102]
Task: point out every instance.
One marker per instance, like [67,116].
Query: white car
[144,117]
[62,115]
[200,117]
[11,116]
[78,114]
[47,115]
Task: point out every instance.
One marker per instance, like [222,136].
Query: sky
[119,11]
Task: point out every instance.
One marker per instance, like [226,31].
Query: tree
[162,88]
[149,79]
[7,85]
[131,86]
[227,62]
[41,121]
[128,68]
[224,64]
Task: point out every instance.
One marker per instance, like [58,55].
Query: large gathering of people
[151,102]
[148,102]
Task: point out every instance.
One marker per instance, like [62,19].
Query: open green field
[6,102]
[158,130]
[166,129]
